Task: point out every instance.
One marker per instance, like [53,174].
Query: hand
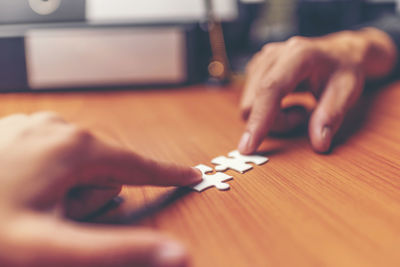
[50,170]
[333,68]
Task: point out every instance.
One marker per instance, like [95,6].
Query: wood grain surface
[300,209]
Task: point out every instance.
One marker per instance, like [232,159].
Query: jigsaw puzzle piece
[237,162]
[223,163]
[256,159]
[210,180]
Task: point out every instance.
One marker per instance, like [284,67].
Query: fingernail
[244,143]
[327,136]
[170,254]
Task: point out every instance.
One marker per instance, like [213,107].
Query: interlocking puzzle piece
[237,162]
[210,180]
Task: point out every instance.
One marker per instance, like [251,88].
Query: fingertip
[262,116]
[195,176]
[185,177]
[167,174]
[246,145]
[321,139]
[170,254]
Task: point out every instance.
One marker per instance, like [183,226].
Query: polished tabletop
[299,209]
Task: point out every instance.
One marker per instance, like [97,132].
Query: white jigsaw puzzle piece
[210,180]
[256,159]
[237,162]
[223,163]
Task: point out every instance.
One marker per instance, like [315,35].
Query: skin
[334,68]
[53,172]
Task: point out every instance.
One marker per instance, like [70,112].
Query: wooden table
[300,209]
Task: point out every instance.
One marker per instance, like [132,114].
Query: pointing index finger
[126,167]
[263,112]
[282,79]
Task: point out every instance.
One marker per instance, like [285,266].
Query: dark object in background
[237,34]
[36,11]
[219,68]
[80,55]
[319,17]
[52,44]
[12,63]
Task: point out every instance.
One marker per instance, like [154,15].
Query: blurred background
[278,20]
[66,44]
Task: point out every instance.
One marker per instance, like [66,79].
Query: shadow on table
[142,212]
[355,119]
[160,203]
[358,116]
[112,213]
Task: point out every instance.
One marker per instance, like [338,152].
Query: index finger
[282,79]
[263,112]
[126,167]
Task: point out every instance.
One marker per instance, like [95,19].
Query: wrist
[380,54]
[370,49]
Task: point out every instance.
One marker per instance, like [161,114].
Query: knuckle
[268,48]
[69,142]
[267,86]
[73,137]
[78,134]
[47,116]
[347,34]
[296,40]
[300,45]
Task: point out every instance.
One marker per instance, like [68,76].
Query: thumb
[341,92]
[68,244]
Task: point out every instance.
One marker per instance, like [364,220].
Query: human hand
[51,170]
[333,68]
